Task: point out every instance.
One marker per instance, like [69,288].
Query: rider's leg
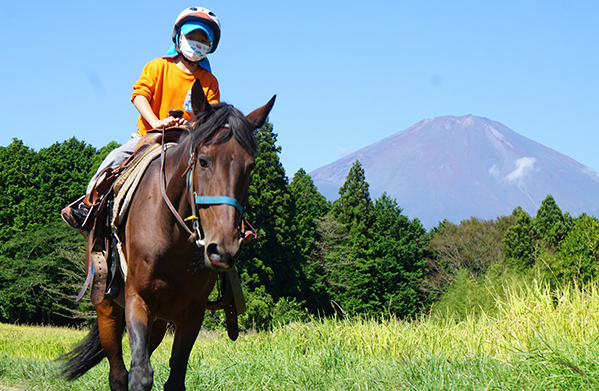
[114,158]
[76,215]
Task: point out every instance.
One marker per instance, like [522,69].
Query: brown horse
[170,277]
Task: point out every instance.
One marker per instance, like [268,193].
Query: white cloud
[344,150]
[523,166]
[494,171]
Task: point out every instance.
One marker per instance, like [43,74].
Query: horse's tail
[84,357]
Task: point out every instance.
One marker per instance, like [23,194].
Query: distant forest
[351,257]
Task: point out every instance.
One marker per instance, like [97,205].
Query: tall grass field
[537,339]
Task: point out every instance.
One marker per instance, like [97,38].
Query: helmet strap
[190,64]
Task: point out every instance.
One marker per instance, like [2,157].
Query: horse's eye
[203,162]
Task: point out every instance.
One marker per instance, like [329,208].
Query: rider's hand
[169,121]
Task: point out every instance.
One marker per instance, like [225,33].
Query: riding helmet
[197,14]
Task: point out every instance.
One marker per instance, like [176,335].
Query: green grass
[536,340]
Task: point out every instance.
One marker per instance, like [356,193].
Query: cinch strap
[217,200]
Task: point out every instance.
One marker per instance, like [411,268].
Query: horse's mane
[208,123]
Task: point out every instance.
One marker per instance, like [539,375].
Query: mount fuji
[457,167]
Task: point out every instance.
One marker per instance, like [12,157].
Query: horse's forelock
[208,123]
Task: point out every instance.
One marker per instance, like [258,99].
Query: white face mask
[194,51]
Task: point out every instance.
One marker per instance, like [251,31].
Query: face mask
[194,51]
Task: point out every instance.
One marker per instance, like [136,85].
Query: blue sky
[346,73]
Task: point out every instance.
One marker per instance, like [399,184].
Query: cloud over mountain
[524,165]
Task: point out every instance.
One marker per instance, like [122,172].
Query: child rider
[165,84]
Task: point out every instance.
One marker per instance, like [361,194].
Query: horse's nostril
[213,252]
[218,258]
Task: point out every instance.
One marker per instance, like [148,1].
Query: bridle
[194,199]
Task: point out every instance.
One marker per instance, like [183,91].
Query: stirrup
[248,236]
[66,214]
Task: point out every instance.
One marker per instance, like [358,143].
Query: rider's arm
[145,110]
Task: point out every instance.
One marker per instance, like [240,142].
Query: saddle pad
[126,184]
[124,188]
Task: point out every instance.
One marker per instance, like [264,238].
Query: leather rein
[194,199]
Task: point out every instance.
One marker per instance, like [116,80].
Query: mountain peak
[455,167]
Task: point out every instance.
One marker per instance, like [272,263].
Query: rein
[192,235]
[195,200]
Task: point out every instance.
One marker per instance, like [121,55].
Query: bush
[262,313]
[468,297]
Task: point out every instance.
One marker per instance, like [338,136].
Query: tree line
[353,256]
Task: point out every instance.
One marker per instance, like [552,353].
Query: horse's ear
[199,103]
[258,116]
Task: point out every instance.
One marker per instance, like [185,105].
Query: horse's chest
[187,273]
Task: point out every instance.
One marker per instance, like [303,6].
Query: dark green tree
[35,186]
[18,191]
[354,210]
[63,173]
[328,262]
[308,205]
[270,261]
[100,156]
[354,207]
[41,259]
[519,243]
[578,255]
[40,275]
[550,224]
[400,247]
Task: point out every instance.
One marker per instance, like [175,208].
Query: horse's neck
[176,162]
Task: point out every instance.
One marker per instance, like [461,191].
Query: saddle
[108,201]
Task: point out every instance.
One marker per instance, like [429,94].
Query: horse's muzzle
[219,259]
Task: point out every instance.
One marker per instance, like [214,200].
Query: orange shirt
[169,88]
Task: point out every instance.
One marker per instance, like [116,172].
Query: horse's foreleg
[141,374]
[110,327]
[186,333]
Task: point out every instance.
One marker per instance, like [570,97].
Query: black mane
[208,123]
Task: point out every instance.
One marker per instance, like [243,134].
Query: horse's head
[222,149]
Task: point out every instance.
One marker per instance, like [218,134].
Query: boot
[76,216]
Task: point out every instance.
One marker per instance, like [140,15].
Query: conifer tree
[400,246]
[519,241]
[309,206]
[579,252]
[550,224]
[326,264]
[354,206]
[353,209]
[270,260]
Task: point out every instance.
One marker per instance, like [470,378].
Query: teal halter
[218,200]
